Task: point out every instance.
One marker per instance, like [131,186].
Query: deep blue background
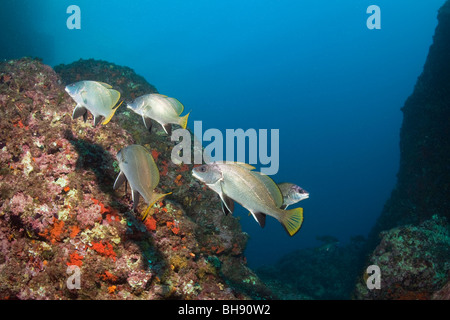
[309,68]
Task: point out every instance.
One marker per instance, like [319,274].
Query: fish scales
[141,172]
[253,192]
[256,192]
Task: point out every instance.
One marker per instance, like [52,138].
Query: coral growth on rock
[423,185]
[413,254]
[124,79]
[58,208]
[413,262]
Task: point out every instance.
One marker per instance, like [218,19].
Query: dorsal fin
[176,105]
[154,171]
[242,165]
[115,96]
[107,86]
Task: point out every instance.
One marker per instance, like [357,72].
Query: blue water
[311,69]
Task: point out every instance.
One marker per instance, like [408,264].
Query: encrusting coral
[413,262]
[58,208]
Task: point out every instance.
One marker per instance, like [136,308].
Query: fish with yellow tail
[258,193]
[139,169]
[97,97]
[163,109]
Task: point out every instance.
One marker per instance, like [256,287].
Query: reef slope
[58,209]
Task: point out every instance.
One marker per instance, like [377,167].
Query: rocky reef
[410,240]
[413,261]
[131,84]
[58,211]
[423,185]
[60,217]
[326,272]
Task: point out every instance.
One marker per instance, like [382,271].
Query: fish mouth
[195,174]
[303,196]
[70,90]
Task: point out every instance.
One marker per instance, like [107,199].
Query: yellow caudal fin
[153,200]
[111,114]
[183,121]
[292,220]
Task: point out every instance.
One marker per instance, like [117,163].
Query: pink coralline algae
[18,203]
[58,208]
[88,213]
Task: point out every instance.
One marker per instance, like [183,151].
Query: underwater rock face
[413,262]
[413,259]
[122,78]
[58,208]
[423,185]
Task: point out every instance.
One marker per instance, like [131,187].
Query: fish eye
[202,169]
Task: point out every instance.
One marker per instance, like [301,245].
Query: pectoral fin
[227,202]
[119,180]
[83,95]
[260,218]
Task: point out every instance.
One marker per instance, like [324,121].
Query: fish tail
[183,121]
[292,220]
[111,114]
[155,197]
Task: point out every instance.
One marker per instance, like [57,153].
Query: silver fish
[97,97]
[258,193]
[161,108]
[292,194]
[138,167]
